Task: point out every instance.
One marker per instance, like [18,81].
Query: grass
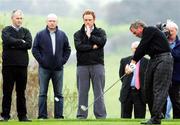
[87,122]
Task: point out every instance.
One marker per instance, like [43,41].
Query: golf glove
[132,66]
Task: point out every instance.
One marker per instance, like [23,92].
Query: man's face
[173,33]
[17,19]
[137,32]
[89,20]
[52,23]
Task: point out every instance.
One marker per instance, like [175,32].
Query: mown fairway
[88,122]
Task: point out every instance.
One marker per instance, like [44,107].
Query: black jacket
[14,49]
[126,81]
[43,52]
[86,55]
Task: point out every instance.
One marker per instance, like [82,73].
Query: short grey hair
[17,11]
[171,24]
[137,23]
[52,16]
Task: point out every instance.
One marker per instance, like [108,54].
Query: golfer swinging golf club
[159,70]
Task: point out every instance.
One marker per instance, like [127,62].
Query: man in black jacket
[89,43]
[132,90]
[16,41]
[51,49]
[159,70]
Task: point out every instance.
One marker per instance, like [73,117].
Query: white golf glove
[130,68]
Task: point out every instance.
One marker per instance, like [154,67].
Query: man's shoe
[161,116]
[24,119]
[60,117]
[42,118]
[151,122]
[3,119]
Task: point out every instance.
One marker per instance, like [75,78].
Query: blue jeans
[57,80]
[168,108]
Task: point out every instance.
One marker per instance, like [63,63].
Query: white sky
[76,2]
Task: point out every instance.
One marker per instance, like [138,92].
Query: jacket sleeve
[121,69]
[67,49]
[176,53]
[28,40]
[80,45]
[100,38]
[36,49]
[10,41]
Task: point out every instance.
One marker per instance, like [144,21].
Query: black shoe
[41,118]
[161,116]
[60,117]
[3,119]
[151,122]
[24,119]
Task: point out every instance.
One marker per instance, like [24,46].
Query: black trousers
[135,101]
[157,81]
[174,93]
[14,75]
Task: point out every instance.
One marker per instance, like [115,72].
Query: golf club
[84,108]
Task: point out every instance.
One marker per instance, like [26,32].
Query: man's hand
[130,68]
[95,46]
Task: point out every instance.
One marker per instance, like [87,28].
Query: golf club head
[84,108]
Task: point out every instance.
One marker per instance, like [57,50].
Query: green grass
[88,122]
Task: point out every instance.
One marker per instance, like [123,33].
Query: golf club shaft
[106,91]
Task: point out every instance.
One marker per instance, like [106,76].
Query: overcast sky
[76,2]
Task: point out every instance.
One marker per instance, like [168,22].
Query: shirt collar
[16,28]
[86,29]
[172,44]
